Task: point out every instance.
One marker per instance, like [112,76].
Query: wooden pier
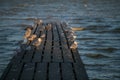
[52,60]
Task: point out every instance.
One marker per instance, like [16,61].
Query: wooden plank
[55,34]
[28,56]
[41,71]
[54,71]
[49,36]
[48,47]
[37,56]
[77,57]
[75,53]
[57,54]
[28,71]
[30,52]
[47,55]
[54,60]
[14,72]
[67,55]
[18,57]
[80,72]
[67,71]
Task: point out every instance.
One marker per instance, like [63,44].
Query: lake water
[99,41]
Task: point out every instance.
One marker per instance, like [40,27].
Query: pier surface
[52,60]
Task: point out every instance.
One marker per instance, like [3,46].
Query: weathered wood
[67,71]
[48,47]
[41,71]
[37,56]
[57,54]
[28,71]
[54,71]
[77,57]
[75,53]
[51,60]
[14,72]
[79,70]
[66,52]
[28,55]
[18,57]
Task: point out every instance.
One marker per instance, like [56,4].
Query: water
[98,42]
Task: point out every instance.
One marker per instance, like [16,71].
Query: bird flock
[35,40]
[71,37]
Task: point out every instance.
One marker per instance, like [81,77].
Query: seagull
[32,37]
[39,22]
[71,31]
[74,45]
[48,27]
[66,31]
[37,42]
[28,32]
[74,37]
[42,36]
[71,39]
[70,35]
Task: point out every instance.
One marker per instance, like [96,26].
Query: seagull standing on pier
[74,45]
[66,31]
[71,36]
[27,34]
[42,36]
[39,22]
[32,37]
[37,42]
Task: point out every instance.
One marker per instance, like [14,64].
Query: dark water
[99,41]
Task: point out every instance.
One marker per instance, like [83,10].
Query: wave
[96,56]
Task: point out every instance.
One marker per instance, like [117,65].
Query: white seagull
[74,45]
[39,22]
[37,42]
[42,36]
[32,37]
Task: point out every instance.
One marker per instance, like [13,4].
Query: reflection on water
[96,24]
